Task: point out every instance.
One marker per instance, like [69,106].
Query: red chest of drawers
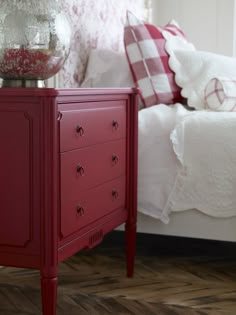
[68,176]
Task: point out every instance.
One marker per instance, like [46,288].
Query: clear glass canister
[35,39]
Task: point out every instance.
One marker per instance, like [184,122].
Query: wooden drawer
[84,127]
[81,209]
[88,167]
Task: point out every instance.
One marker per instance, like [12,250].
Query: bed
[187,152]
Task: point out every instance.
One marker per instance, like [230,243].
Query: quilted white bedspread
[186,160]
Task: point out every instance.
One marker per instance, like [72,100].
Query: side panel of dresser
[19,237]
[29,181]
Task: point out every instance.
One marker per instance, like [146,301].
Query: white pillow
[107,68]
[194,69]
[220,94]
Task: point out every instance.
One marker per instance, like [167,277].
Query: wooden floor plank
[169,281]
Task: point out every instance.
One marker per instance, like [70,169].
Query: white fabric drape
[148,10]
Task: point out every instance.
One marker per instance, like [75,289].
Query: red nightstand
[68,176]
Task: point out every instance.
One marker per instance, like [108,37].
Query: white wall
[208,24]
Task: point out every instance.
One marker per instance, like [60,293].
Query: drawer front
[81,209]
[84,127]
[88,167]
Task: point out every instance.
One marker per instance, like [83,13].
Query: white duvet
[187,159]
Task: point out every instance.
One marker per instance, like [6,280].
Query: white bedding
[187,159]
[158,165]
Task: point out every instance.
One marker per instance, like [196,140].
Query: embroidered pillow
[220,94]
[148,60]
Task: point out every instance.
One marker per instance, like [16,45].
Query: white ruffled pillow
[220,94]
[194,69]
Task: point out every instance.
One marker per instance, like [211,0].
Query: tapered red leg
[130,239]
[49,295]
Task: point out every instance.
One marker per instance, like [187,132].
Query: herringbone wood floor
[173,276]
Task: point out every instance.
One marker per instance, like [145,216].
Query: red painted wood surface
[90,166]
[16,152]
[80,209]
[50,206]
[80,128]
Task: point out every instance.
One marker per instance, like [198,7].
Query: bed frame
[190,223]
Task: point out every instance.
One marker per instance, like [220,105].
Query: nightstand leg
[49,295]
[130,240]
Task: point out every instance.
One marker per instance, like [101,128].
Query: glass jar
[35,39]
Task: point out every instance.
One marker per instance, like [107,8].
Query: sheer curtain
[148,10]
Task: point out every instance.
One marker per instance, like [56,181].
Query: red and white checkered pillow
[148,60]
[220,94]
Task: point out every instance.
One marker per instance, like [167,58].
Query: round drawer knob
[115,124]
[80,130]
[115,158]
[115,194]
[80,170]
[80,211]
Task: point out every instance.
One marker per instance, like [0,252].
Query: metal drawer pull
[115,194]
[80,169]
[115,124]
[115,158]
[80,211]
[80,130]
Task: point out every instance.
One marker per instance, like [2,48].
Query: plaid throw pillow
[148,61]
